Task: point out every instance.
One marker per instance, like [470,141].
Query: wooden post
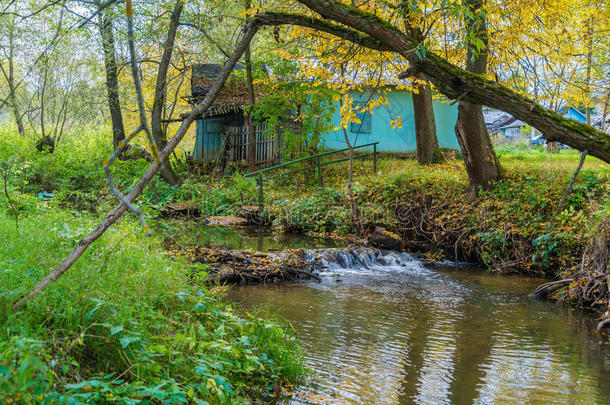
[320,178]
[261,203]
[375,159]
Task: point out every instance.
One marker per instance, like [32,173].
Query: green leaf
[199,308]
[5,371]
[127,340]
[92,312]
[88,383]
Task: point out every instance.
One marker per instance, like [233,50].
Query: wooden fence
[267,148]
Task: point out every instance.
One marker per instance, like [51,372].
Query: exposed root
[549,288]
[441,229]
[590,282]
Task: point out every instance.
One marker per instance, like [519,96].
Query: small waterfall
[357,258]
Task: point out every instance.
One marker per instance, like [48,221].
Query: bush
[324,211]
[123,324]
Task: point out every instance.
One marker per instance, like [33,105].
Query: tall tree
[112,76]
[426,140]
[480,158]
[371,31]
[251,100]
[9,75]
[157,127]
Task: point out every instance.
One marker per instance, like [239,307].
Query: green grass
[507,229]
[127,323]
[123,324]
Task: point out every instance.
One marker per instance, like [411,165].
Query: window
[364,127]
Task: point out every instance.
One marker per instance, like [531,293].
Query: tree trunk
[480,159]
[605,111]
[11,81]
[112,75]
[251,100]
[157,128]
[426,141]
[589,65]
[428,150]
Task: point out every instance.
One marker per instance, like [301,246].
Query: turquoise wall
[207,147]
[399,139]
[575,115]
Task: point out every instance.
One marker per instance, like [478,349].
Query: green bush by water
[123,325]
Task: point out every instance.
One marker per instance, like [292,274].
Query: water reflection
[258,238]
[410,334]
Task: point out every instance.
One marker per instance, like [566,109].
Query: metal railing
[319,164]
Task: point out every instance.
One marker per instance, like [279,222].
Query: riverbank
[509,229]
[113,325]
[126,323]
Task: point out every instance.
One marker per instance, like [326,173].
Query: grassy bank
[509,229]
[123,325]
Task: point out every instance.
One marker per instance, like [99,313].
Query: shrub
[123,324]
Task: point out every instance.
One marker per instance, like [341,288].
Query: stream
[383,328]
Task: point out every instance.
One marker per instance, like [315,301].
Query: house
[597,119]
[573,114]
[223,130]
[503,124]
[377,127]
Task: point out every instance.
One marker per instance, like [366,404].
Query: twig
[460,97]
[603,323]
[549,287]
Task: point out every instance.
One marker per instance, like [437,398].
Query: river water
[383,328]
[411,334]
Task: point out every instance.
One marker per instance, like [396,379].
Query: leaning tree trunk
[112,75]
[428,150]
[372,32]
[158,131]
[480,159]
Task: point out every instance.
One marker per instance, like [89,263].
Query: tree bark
[112,75]
[480,159]
[10,78]
[605,111]
[426,141]
[454,82]
[251,100]
[428,150]
[157,128]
